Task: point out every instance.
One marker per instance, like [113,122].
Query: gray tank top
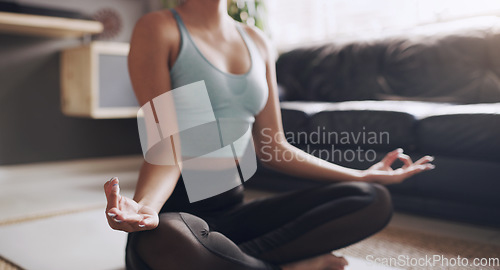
[235,96]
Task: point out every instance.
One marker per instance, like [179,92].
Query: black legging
[262,234]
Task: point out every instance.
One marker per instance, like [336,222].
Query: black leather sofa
[432,90]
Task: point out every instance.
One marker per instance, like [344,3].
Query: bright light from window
[298,22]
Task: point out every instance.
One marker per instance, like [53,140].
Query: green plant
[251,12]
[170,3]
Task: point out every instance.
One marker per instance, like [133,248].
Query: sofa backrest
[456,62]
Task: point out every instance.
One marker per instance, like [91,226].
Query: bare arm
[268,124]
[282,156]
[148,67]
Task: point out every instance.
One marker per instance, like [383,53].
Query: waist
[179,202]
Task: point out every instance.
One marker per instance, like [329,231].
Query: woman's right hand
[125,214]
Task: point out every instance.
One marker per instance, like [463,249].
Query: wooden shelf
[37,25]
[95,81]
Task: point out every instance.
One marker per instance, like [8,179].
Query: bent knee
[378,193]
[351,189]
[185,240]
[376,199]
[172,232]
[382,205]
[170,243]
[373,197]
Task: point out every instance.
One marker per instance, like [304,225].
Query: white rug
[80,241]
[360,264]
[76,241]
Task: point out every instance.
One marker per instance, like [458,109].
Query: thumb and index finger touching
[408,165]
[392,156]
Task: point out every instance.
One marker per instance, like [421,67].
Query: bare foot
[323,262]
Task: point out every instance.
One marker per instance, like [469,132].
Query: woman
[297,230]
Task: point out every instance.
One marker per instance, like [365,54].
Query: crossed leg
[288,231]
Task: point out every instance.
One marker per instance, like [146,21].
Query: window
[295,23]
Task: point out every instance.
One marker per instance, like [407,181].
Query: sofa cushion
[447,62]
[330,73]
[378,125]
[294,119]
[469,131]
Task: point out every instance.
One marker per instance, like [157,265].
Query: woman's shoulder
[157,25]
[264,45]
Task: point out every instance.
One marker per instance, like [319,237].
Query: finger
[428,167]
[341,263]
[424,160]
[120,226]
[148,223]
[121,216]
[337,262]
[133,227]
[119,220]
[344,261]
[407,162]
[107,185]
[112,191]
[132,219]
[414,169]
[391,157]
[126,223]
[114,215]
[114,220]
[144,222]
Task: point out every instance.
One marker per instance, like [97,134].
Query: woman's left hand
[382,172]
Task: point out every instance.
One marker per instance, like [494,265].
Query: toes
[338,260]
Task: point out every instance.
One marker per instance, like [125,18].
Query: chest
[229,55]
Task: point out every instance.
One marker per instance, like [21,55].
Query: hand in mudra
[125,214]
[382,172]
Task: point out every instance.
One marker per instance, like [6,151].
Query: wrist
[148,204]
[363,176]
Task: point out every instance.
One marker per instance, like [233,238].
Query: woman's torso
[236,97]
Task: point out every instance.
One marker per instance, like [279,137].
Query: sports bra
[233,97]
